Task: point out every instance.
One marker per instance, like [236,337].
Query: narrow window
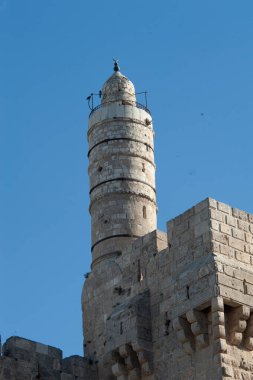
[143,168]
[144,212]
[167,326]
[188,291]
[244,287]
[139,273]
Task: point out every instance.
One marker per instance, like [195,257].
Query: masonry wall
[116,292]
[232,239]
[25,359]
[177,305]
[176,277]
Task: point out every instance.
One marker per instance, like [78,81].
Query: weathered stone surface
[196,322]
[200,298]
[121,170]
[156,306]
[26,359]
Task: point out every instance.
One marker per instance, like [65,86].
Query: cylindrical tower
[121,169]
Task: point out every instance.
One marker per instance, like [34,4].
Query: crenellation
[26,359]
[224,208]
[242,215]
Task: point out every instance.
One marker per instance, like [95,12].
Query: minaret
[121,169]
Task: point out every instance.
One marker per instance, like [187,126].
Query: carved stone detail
[199,327]
[218,325]
[184,334]
[132,362]
[192,331]
[248,334]
[237,324]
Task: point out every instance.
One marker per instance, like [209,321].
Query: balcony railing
[136,104]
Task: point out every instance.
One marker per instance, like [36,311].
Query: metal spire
[116,66]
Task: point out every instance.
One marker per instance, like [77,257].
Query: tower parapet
[121,169]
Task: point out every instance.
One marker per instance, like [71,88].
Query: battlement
[211,226]
[232,232]
[25,349]
[23,358]
[189,236]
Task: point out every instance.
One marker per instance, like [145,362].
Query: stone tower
[160,306]
[156,306]
[121,169]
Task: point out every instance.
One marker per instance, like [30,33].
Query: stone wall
[232,244]
[175,305]
[116,292]
[24,359]
[196,283]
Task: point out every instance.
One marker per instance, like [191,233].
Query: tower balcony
[121,109]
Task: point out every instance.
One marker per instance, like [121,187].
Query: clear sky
[194,58]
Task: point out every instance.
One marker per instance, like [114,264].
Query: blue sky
[194,58]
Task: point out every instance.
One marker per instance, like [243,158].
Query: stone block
[224,208]
[218,318]
[243,257]
[217,304]
[243,225]
[212,203]
[240,214]
[220,346]
[219,332]
[224,228]
[238,234]
[235,243]
[230,282]
[220,237]
[217,215]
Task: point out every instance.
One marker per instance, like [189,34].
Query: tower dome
[117,88]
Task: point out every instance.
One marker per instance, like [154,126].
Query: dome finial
[116,66]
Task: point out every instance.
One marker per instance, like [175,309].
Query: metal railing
[136,104]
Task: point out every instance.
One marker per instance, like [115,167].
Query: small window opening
[121,328]
[244,287]
[167,327]
[147,147]
[144,212]
[188,291]
[143,168]
[139,274]
[100,168]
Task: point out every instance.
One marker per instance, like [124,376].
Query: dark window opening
[188,291]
